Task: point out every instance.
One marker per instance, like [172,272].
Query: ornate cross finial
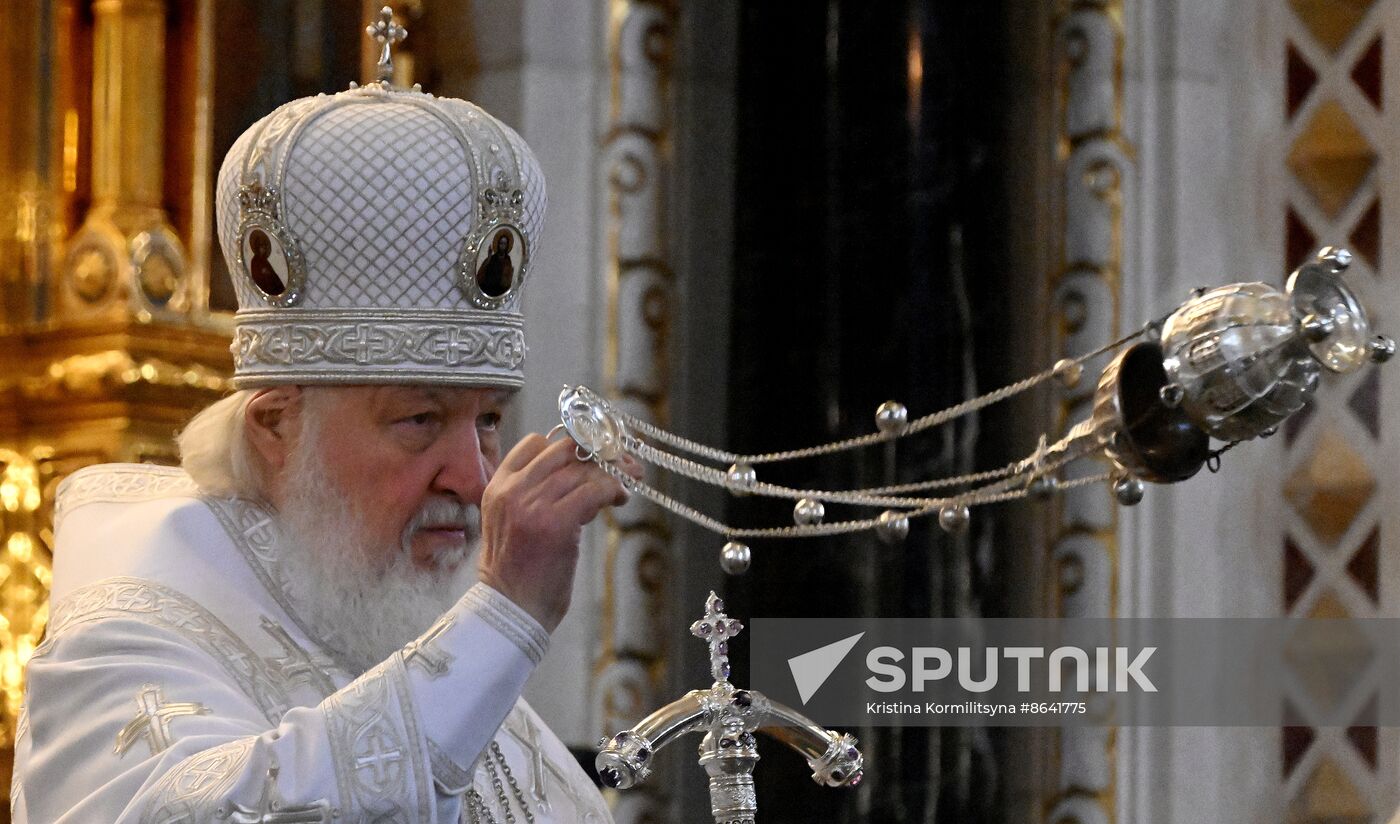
[716,628]
[152,721]
[389,33]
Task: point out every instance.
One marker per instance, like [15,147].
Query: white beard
[365,602]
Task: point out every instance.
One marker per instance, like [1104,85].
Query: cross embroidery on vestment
[427,653]
[152,720]
[297,666]
[272,811]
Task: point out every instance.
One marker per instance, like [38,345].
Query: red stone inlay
[1367,73]
[1364,567]
[1366,237]
[1301,80]
[1365,402]
[1364,739]
[1296,741]
[1297,574]
[1301,242]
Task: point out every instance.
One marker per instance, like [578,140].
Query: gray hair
[216,452]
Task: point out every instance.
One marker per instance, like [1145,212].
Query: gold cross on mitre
[716,629]
[152,720]
[389,33]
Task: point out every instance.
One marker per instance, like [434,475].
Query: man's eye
[421,419]
[489,421]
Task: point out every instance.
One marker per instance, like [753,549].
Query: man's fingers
[631,466]
[523,453]
[563,480]
[535,458]
[554,472]
[589,498]
[551,459]
[560,484]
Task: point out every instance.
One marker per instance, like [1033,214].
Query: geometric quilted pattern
[379,226]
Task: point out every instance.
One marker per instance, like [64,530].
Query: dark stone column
[869,266]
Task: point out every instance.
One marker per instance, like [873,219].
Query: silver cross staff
[728,717]
[389,33]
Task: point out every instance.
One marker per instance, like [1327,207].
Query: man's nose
[465,469]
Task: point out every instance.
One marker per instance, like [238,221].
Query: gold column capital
[106,348]
[127,259]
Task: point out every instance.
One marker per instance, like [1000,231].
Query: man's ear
[272,419]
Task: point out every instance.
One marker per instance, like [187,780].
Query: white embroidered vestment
[177,684]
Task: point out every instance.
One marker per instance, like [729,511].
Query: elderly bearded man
[283,630]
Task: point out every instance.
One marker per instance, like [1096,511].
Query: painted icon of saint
[497,272]
[264,274]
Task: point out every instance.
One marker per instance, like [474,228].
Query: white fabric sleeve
[149,709]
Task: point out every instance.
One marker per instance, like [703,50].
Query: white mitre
[379,235]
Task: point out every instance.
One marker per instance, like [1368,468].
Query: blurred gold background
[114,299]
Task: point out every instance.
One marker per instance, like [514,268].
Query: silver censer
[729,718]
[1232,363]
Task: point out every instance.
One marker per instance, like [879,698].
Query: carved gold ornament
[94,272]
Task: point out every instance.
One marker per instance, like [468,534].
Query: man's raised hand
[532,517]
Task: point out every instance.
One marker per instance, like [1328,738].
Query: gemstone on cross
[387,32]
[716,629]
[152,721]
